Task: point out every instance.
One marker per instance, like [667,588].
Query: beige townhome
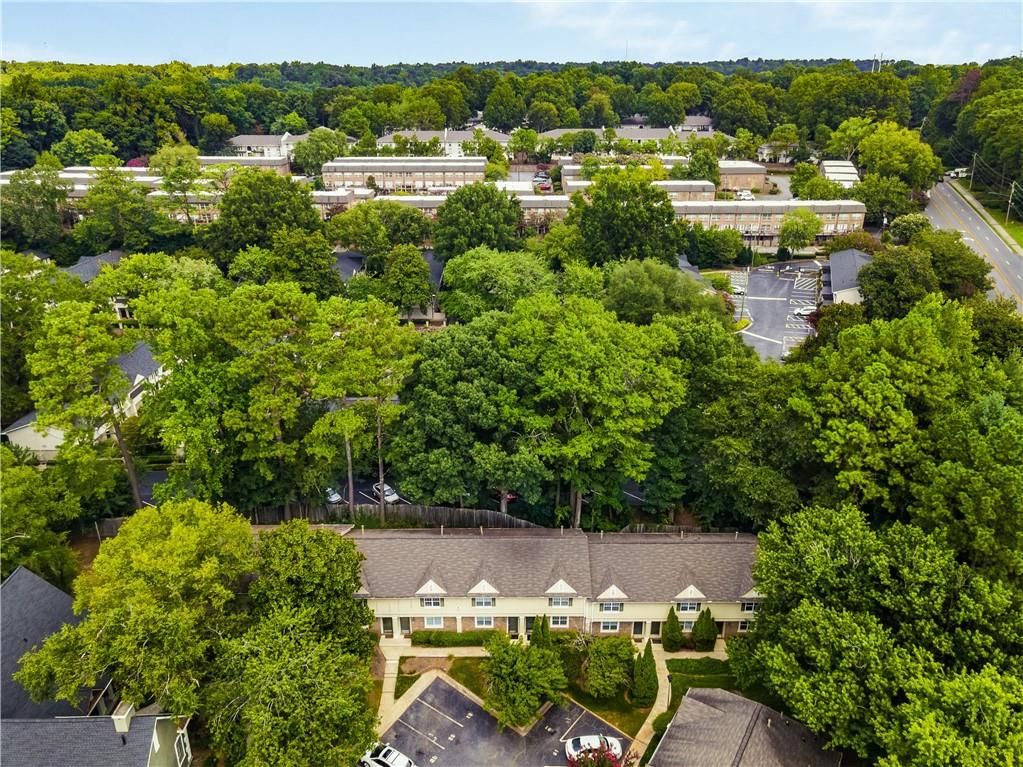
[611,584]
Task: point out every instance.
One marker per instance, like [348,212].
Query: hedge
[452,638]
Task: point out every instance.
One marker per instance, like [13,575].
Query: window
[612,607]
[609,627]
[688,607]
[655,628]
[387,625]
[743,627]
[482,601]
[559,621]
[484,621]
[431,601]
[687,625]
[433,622]
[749,607]
[560,601]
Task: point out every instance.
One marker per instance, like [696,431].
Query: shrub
[541,634]
[644,678]
[452,638]
[721,282]
[661,722]
[705,631]
[671,633]
[519,678]
[608,666]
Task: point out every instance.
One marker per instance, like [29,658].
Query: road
[947,210]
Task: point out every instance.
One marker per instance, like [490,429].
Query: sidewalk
[988,218]
[661,658]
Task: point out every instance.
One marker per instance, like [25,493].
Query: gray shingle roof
[845,268]
[714,727]
[25,420]
[80,741]
[445,136]
[32,610]
[256,139]
[87,269]
[138,362]
[527,562]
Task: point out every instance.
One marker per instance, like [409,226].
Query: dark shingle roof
[845,268]
[714,727]
[32,610]
[138,362]
[527,563]
[25,420]
[80,741]
[87,269]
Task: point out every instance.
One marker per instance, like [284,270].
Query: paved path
[950,208]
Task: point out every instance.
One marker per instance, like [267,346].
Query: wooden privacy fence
[427,516]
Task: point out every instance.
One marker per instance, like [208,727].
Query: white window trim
[688,607]
[552,602]
[687,625]
[562,621]
[612,607]
[427,621]
[479,602]
[605,624]
[426,602]
[485,624]
[743,626]
[749,607]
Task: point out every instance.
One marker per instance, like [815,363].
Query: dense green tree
[118,214]
[644,678]
[35,208]
[802,174]
[895,281]
[542,116]
[404,225]
[893,151]
[637,291]
[285,658]
[705,631]
[524,142]
[78,147]
[799,228]
[483,279]
[540,636]
[844,141]
[216,130]
[292,123]
[296,255]
[999,326]
[960,271]
[475,215]
[608,666]
[735,107]
[520,678]
[702,166]
[904,228]
[154,613]
[320,146]
[181,176]
[406,279]
[820,188]
[626,217]
[504,109]
[885,197]
[361,228]
[256,205]
[671,632]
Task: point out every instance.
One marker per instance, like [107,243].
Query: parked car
[386,492]
[382,755]
[577,746]
[804,311]
[744,194]
[333,496]
[544,186]
[738,290]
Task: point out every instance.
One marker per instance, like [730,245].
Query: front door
[388,626]
[513,626]
[637,628]
[405,624]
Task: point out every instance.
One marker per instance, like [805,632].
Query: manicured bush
[671,634]
[699,666]
[541,634]
[452,638]
[661,722]
[705,631]
[520,678]
[644,678]
[608,666]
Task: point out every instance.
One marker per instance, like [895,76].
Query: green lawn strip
[469,673]
[997,211]
[404,681]
[375,694]
[617,711]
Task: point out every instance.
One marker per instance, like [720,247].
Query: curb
[990,220]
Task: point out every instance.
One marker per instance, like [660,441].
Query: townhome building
[610,584]
[266,145]
[735,174]
[403,174]
[281,165]
[450,140]
[760,221]
[676,190]
[841,172]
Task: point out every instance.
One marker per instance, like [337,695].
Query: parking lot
[772,293]
[444,727]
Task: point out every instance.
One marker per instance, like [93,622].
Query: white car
[386,492]
[738,290]
[804,311]
[385,756]
[577,746]
[744,195]
[333,496]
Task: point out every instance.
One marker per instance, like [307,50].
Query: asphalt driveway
[772,292]
[444,727]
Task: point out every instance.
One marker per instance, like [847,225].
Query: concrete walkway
[661,658]
[395,649]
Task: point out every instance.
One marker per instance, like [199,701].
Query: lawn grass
[375,694]
[469,673]
[404,681]
[996,207]
[618,711]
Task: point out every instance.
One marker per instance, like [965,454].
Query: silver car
[384,756]
[386,492]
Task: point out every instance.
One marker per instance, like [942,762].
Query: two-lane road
[947,210]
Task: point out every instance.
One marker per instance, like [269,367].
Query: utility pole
[973,167]
[1012,190]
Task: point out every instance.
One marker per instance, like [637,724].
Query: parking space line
[762,338]
[565,738]
[453,721]
[417,732]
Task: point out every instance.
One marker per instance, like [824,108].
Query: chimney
[122,716]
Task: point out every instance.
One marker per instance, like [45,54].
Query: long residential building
[450,140]
[676,190]
[266,145]
[403,174]
[602,584]
[735,174]
[760,221]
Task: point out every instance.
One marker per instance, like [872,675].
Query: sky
[390,32]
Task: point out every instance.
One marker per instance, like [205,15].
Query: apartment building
[735,174]
[603,584]
[840,171]
[261,145]
[280,165]
[330,203]
[450,140]
[403,174]
[681,191]
[760,221]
